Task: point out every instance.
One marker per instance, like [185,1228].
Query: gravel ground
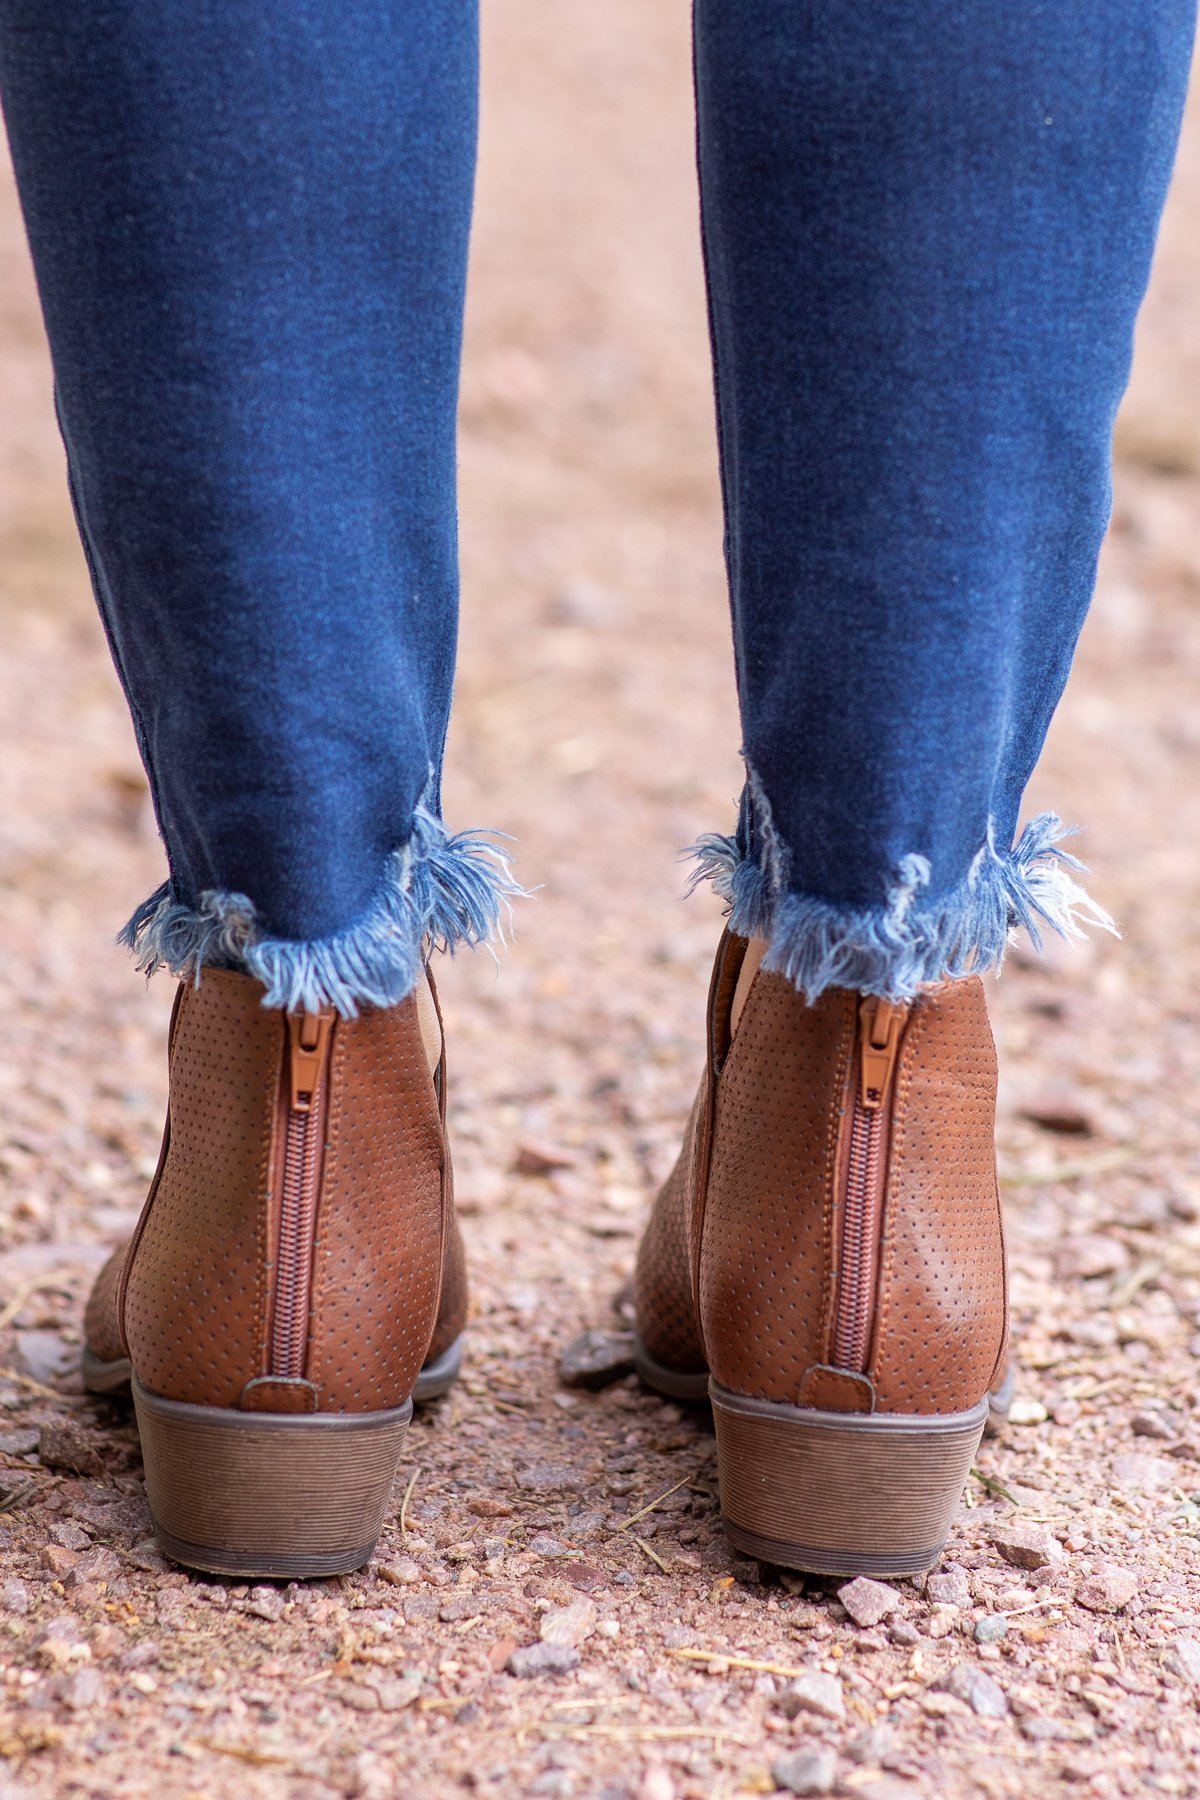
[555,1612]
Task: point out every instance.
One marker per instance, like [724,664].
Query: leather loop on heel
[841,1493]
[282,1495]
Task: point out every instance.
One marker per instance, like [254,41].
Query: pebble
[1107,1589]
[805,1771]
[1027,1411]
[949,1585]
[266,1603]
[1184,1659]
[44,1355]
[542,1659]
[1154,1425]
[399,1691]
[904,1633]
[404,1572]
[1139,1473]
[991,1629]
[870,1746]
[14,1596]
[570,1625]
[551,1478]
[82,1689]
[1026,1546]
[596,1359]
[867,1601]
[542,1544]
[816,1693]
[656,1784]
[537,1158]
[62,1445]
[983,1695]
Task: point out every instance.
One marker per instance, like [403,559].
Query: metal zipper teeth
[859,1228]
[308,1046]
[878,1044]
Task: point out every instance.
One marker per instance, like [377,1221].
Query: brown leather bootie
[295,1280]
[826,1264]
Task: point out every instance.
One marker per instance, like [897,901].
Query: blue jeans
[927,232]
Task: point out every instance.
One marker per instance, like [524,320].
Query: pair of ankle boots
[825,1265]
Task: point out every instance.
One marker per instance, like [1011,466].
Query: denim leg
[927,230]
[249,226]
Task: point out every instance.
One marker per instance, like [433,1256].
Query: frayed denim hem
[439,892]
[896,949]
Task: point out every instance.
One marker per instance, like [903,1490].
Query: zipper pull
[881,1023]
[308,1043]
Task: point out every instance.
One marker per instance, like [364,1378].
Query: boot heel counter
[195,1301]
[942,1300]
[766,1253]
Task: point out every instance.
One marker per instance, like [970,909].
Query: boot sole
[833,1493]
[282,1496]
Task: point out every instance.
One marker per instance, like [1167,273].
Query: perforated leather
[196,1297]
[662,1282]
[766,1259]
[198,1273]
[738,1266]
[942,1297]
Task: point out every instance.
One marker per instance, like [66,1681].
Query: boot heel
[841,1493]
[274,1494]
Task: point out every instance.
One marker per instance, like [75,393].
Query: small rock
[97,1564]
[1107,1589]
[1041,1730]
[149,1557]
[1060,1111]
[570,1625]
[942,1621]
[867,1601]
[399,1691]
[542,1544]
[542,1659]
[535,1157]
[63,1445]
[1027,1411]
[949,1586]
[551,1478]
[404,1572]
[1184,1659]
[904,1633]
[596,1359]
[656,1784]
[991,1629]
[815,1693]
[984,1696]
[44,1355]
[82,1689]
[1138,1473]
[1154,1425]
[461,1606]
[19,1442]
[14,1596]
[266,1603]
[869,1747]
[60,1562]
[806,1771]
[1026,1546]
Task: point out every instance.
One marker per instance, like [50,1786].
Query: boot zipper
[309,1037]
[880,1027]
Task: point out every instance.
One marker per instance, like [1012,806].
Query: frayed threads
[896,949]
[439,891]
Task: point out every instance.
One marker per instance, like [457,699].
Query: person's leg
[927,231]
[249,227]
